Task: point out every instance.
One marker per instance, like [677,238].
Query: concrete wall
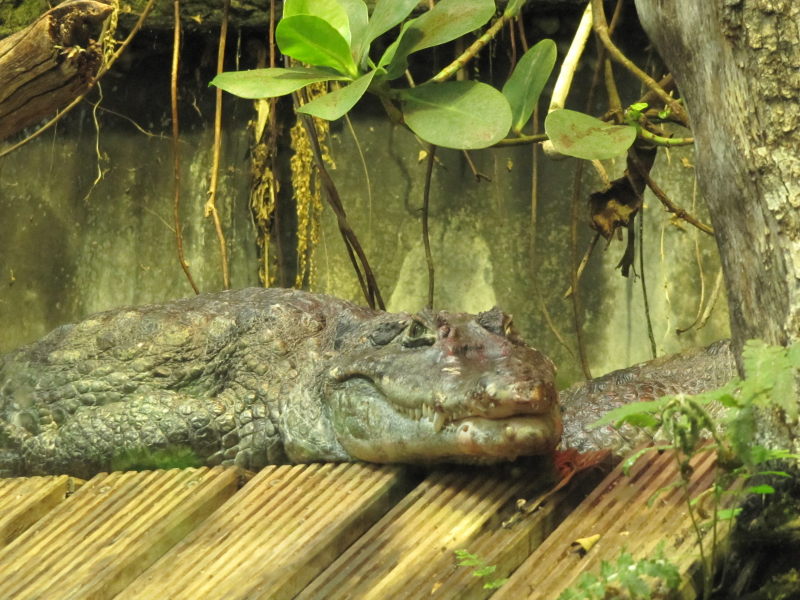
[70,245]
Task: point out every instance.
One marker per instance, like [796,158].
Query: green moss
[13,18]
[171,457]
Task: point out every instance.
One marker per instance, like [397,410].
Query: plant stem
[668,204]
[601,29]
[468,54]
[570,63]
[425,237]
[211,203]
[176,156]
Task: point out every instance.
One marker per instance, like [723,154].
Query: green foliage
[335,104]
[646,579]
[314,41]
[444,113]
[142,459]
[693,424]
[577,134]
[446,21]
[333,37]
[252,84]
[524,86]
[466,559]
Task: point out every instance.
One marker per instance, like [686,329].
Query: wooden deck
[325,532]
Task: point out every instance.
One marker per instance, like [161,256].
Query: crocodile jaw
[372,428]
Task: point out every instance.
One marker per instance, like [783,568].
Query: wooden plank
[25,500]
[102,537]
[285,526]
[410,552]
[617,510]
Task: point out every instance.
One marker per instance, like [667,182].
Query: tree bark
[737,64]
[49,63]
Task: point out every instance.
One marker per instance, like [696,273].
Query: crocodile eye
[418,335]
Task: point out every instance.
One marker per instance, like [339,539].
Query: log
[49,63]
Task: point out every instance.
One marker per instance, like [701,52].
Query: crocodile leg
[145,431]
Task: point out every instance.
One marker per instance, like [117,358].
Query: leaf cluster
[646,579]
[724,421]
[333,38]
[687,422]
[465,558]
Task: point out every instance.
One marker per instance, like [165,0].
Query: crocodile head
[443,387]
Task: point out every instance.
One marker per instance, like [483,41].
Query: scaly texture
[268,376]
[690,372]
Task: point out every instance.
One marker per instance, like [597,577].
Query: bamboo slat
[284,527]
[23,501]
[99,539]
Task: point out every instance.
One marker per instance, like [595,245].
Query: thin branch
[570,63]
[601,29]
[523,139]
[665,141]
[365,168]
[475,173]
[668,204]
[100,72]
[211,203]
[584,261]
[576,308]
[367,281]
[461,61]
[176,204]
[425,237]
[648,319]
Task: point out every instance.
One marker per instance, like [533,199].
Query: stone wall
[86,218]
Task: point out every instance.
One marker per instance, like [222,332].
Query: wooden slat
[410,552]
[285,526]
[23,501]
[617,510]
[99,539]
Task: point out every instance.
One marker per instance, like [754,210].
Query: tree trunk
[48,64]
[737,64]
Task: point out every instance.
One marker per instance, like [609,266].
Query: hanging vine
[306,188]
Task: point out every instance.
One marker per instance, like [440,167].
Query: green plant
[723,421]
[646,579]
[333,37]
[465,558]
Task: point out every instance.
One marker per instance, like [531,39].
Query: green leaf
[387,14]
[446,21]
[329,11]
[484,571]
[457,114]
[467,558]
[726,514]
[268,83]
[577,134]
[513,8]
[760,489]
[358,18]
[314,41]
[495,583]
[524,86]
[622,413]
[335,104]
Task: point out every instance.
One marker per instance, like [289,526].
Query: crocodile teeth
[438,422]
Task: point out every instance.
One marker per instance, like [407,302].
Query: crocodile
[272,376]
